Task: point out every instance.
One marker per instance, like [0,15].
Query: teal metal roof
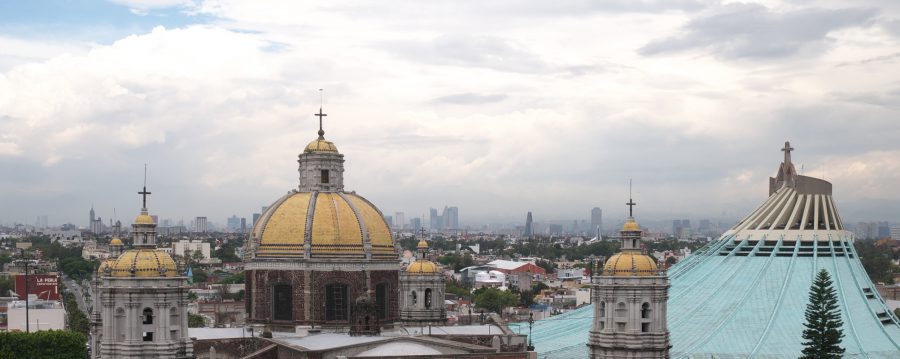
[738,298]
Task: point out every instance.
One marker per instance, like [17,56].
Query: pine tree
[823,321]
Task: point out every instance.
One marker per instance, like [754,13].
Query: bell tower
[321,166]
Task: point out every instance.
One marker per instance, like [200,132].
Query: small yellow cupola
[631,261]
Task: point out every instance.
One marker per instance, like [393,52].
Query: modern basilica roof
[744,294]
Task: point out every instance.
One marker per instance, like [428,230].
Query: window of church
[413,298]
[602,309]
[428,298]
[282,306]
[381,300]
[620,310]
[120,323]
[324,176]
[645,327]
[620,327]
[148,316]
[173,316]
[645,311]
[148,336]
[336,302]
[602,325]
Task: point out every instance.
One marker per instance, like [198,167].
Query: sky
[497,107]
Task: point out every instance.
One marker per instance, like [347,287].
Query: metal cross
[630,203]
[320,115]
[144,193]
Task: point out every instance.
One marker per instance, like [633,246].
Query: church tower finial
[320,115]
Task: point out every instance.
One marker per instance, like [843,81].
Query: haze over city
[524,106]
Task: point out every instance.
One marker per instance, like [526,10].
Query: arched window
[173,316]
[120,324]
[336,302]
[645,311]
[428,298]
[382,298]
[148,316]
[325,176]
[602,309]
[413,298]
[620,310]
[282,302]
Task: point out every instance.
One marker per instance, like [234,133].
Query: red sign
[44,286]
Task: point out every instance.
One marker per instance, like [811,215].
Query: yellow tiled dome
[423,267]
[144,263]
[337,225]
[629,264]
[422,244]
[320,145]
[103,265]
[143,218]
[116,242]
[631,225]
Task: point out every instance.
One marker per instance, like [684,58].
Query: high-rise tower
[529,227]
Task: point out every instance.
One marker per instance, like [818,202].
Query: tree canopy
[50,344]
[494,299]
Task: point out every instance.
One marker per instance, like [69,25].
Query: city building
[681,228]
[415,224]
[596,220]
[529,226]
[399,220]
[629,302]
[450,217]
[744,294]
[140,300]
[42,315]
[192,247]
[435,221]
[200,225]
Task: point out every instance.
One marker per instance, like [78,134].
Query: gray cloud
[471,51]
[469,98]
[756,32]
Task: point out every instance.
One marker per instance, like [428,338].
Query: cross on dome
[144,193]
[630,203]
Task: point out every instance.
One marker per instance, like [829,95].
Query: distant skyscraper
[450,217]
[233,223]
[200,225]
[96,223]
[92,218]
[415,224]
[41,222]
[681,228]
[435,221]
[529,226]
[243,225]
[596,219]
[399,220]
[255,218]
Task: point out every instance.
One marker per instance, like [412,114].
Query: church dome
[323,225]
[105,264]
[422,244]
[143,218]
[320,145]
[629,263]
[116,242]
[423,267]
[631,225]
[144,263]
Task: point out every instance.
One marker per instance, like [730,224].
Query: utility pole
[27,289]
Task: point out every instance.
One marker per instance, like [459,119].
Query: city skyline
[539,124]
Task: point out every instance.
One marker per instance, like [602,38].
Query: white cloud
[549,110]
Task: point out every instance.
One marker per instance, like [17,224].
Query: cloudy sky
[497,107]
